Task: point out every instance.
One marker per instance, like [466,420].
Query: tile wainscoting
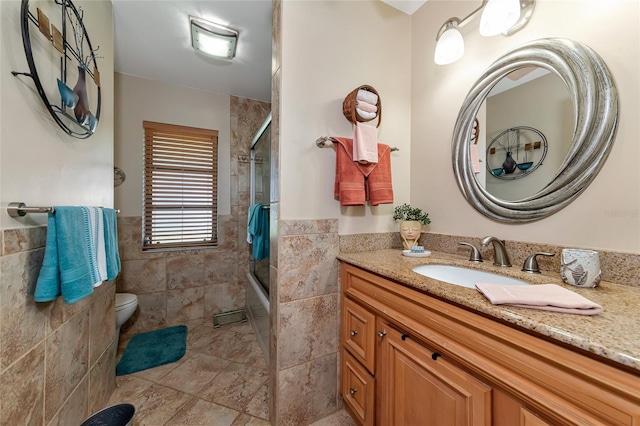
[57,361]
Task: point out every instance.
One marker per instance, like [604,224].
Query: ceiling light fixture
[498,16]
[213,39]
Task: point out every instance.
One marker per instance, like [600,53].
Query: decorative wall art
[74,98]
[516,152]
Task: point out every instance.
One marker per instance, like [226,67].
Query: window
[180,186]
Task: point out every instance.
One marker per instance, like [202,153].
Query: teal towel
[111,243]
[259,230]
[65,268]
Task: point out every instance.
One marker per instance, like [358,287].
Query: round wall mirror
[550,110]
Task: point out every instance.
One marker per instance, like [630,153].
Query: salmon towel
[356,183]
[548,297]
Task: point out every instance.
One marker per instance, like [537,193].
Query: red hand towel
[378,183]
[355,183]
[349,184]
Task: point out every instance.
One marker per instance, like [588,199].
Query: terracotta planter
[410,232]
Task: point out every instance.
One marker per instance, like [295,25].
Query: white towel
[367,96]
[365,143]
[547,297]
[366,115]
[366,106]
[96,245]
[475,159]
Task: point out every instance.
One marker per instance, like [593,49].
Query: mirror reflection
[528,121]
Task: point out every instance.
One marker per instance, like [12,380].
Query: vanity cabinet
[412,359]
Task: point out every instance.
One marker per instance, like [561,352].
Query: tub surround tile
[22,385]
[308,329]
[67,361]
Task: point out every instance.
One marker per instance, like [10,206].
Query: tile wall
[57,361]
[178,286]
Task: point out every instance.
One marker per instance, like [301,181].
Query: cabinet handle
[353,390]
[353,332]
[382,333]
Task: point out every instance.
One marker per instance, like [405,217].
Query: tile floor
[221,381]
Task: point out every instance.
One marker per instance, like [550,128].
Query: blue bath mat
[152,349]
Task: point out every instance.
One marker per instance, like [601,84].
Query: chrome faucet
[500,255]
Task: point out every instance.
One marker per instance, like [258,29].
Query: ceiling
[153,40]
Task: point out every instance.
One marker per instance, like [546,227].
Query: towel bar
[321,142]
[19,209]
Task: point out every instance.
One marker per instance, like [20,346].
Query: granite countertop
[613,334]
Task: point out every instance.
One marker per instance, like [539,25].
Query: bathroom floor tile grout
[242,344]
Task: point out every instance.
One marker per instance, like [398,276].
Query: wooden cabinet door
[417,388]
[358,390]
[358,333]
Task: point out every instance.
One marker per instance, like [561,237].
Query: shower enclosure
[257,291]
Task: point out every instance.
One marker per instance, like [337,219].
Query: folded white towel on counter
[547,297]
[367,96]
[366,106]
[365,143]
[366,115]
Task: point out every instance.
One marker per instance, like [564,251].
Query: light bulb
[450,46]
[498,16]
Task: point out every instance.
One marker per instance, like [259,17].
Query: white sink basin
[465,277]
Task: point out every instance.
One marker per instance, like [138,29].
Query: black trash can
[116,415]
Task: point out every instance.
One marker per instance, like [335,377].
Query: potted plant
[411,221]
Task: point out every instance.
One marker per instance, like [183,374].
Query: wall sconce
[498,16]
[213,39]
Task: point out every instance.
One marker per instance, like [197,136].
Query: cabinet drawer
[358,333]
[358,390]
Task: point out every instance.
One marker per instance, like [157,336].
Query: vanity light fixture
[498,16]
[213,39]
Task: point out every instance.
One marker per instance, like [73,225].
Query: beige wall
[41,165]
[605,216]
[543,104]
[140,99]
[328,49]
[57,361]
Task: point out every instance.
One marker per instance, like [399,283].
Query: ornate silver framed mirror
[595,104]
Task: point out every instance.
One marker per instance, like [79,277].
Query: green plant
[406,212]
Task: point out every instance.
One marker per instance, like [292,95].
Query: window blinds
[180,186]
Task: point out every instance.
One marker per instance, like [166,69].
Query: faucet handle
[475,255]
[531,263]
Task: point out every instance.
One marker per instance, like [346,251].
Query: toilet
[126,304]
